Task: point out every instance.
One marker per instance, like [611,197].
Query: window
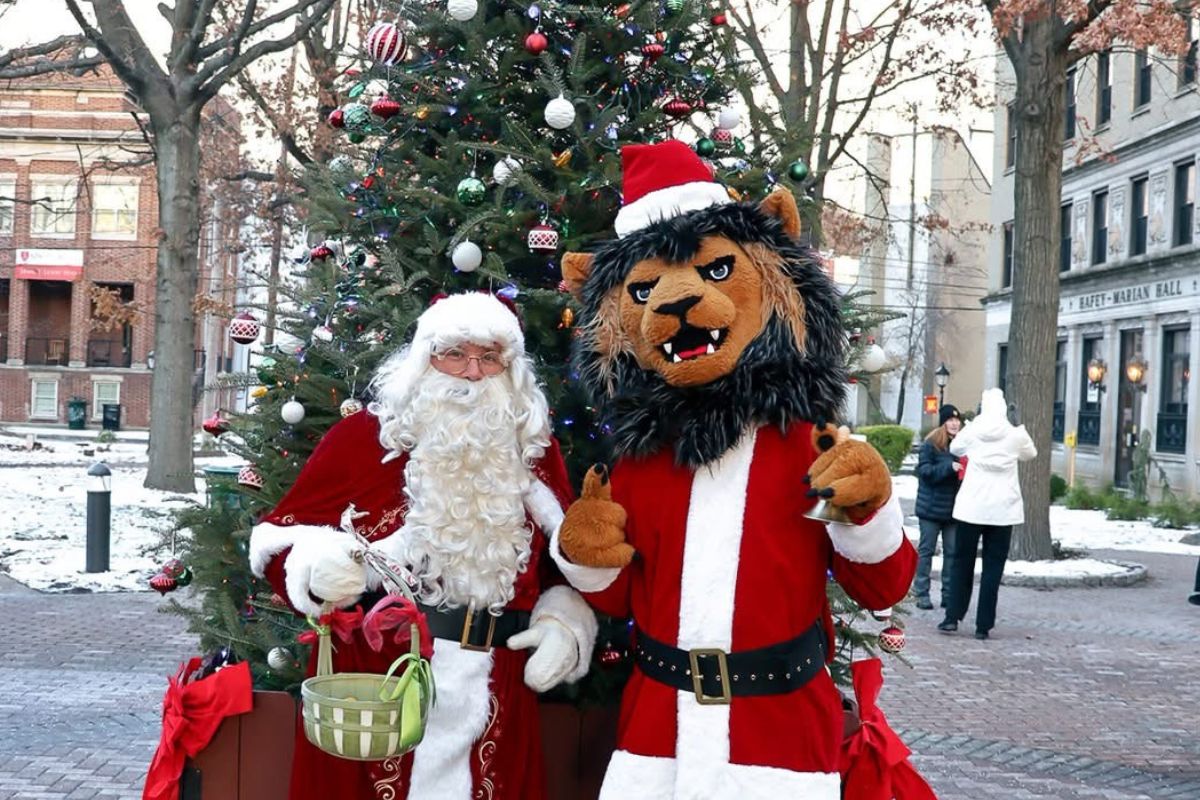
[1007,277]
[1069,126]
[8,190]
[115,211]
[1185,202]
[104,392]
[1010,150]
[1002,368]
[1140,209]
[1103,88]
[1173,407]
[1088,428]
[1064,238]
[1099,226]
[53,208]
[1141,78]
[44,399]
[1187,63]
[1057,426]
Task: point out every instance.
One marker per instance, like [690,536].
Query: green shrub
[893,442]
[1121,507]
[1174,512]
[1058,488]
[1080,497]
[105,437]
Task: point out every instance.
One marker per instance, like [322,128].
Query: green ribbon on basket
[414,689]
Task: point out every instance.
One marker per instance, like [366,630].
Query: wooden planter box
[577,743]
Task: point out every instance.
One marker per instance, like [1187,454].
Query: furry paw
[593,531]
[848,473]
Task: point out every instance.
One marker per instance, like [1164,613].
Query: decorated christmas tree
[482,142]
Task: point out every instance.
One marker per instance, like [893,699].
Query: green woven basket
[367,717]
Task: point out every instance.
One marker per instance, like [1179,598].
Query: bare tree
[1042,40]
[205,55]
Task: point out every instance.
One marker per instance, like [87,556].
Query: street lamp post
[942,376]
[99,516]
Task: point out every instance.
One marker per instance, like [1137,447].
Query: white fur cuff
[268,540]
[585,579]
[563,605]
[544,507]
[874,540]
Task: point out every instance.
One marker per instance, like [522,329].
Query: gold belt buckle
[465,641]
[694,656]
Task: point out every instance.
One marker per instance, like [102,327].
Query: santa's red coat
[483,734]
[726,559]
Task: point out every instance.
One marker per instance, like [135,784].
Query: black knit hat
[947,412]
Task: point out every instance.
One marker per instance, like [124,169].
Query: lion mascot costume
[712,340]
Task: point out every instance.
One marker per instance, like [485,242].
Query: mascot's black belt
[474,630]
[715,676]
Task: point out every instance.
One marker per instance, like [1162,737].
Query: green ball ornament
[184,578]
[739,147]
[356,118]
[676,6]
[798,171]
[705,148]
[471,191]
[265,371]
[357,138]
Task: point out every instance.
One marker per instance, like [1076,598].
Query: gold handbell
[825,511]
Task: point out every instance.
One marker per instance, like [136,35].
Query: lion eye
[640,292]
[718,270]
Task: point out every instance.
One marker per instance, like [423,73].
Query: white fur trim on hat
[474,317]
[667,203]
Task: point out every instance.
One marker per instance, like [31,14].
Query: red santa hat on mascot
[661,181]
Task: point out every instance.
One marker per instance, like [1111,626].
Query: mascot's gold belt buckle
[694,656]
[468,624]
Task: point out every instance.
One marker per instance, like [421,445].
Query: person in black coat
[938,476]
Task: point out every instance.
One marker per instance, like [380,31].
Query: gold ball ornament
[258,392]
[563,159]
[350,406]
[567,318]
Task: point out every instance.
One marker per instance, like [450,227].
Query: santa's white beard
[465,533]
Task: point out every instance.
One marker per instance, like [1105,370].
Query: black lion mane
[773,382]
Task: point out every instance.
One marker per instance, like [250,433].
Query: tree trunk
[1040,62]
[178,145]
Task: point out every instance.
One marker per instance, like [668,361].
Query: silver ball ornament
[292,412]
[467,256]
[279,659]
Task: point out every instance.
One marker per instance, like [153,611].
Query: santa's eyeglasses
[455,361]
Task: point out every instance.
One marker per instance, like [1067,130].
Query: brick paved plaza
[1080,693]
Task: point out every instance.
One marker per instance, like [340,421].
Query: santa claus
[455,474]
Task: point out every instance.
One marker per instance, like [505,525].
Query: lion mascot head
[705,317]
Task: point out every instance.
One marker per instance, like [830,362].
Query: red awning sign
[48,265]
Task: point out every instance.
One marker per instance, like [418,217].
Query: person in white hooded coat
[987,506]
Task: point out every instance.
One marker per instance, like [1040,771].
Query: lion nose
[678,307]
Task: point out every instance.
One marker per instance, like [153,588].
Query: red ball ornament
[543,239]
[173,568]
[320,252]
[610,656]
[536,43]
[563,286]
[244,328]
[718,19]
[162,583]
[215,425]
[677,107]
[385,108]
[653,51]
[386,44]
[891,639]
[336,118]
[250,478]
[722,138]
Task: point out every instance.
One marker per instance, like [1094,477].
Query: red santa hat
[662,181]
[476,317]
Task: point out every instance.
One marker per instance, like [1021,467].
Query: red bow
[341,624]
[192,712]
[874,759]
[398,613]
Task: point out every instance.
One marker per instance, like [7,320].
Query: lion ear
[781,205]
[575,270]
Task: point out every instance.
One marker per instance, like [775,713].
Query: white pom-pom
[728,119]
[292,412]
[467,257]
[505,170]
[560,113]
[462,10]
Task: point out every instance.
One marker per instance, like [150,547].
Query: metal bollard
[99,516]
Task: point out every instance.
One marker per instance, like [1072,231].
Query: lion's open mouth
[692,342]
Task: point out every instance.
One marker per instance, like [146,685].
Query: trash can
[111,417]
[76,413]
[222,487]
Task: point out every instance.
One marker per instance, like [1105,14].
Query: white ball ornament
[728,119]
[505,170]
[560,113]
[462,10]
[292,412]
[467,257]
[279,659]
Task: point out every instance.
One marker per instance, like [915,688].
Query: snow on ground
[43,515]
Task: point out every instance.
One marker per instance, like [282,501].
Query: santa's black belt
[715,676]
[474,630]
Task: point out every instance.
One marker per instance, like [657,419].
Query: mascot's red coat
[726,559]
[492,745]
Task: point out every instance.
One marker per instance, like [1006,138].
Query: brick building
[79,210]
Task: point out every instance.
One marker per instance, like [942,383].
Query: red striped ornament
[386,43]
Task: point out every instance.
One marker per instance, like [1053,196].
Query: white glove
[555,655]
[323,567]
